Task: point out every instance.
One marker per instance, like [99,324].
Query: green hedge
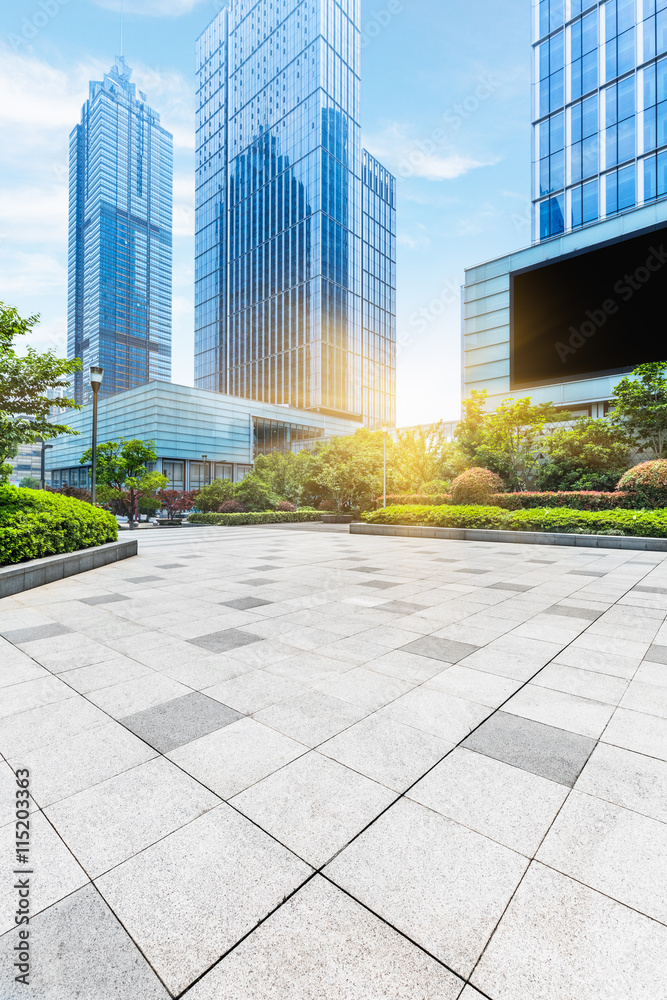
[34,523]
[268,517]
[573,500]
[641,523]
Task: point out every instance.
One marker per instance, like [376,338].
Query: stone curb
[516,537]
[18,577]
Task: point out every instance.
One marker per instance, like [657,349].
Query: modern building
[561,321]
[199,435]
[295,270]
[120,237]
[599,110]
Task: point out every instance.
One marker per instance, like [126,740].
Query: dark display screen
[599,312]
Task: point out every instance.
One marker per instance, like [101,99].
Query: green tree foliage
[286,474]
[347,471]
[209,499]
[509,440]
[255,494]
[640,407]
[423,455]
[591,455]
[24,384]
[30,483]
[123,476]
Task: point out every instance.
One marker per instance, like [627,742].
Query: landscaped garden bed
[253,517]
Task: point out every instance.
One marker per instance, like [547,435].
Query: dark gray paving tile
[175,723]
[657,654]
[144,579]
[442,559]
[566,612]
[541,562]
[543,750]
[245,603]
[259,582]
[367,569]
[21,635]
[229,638]
[478,572]
[173,565]
[263,569]
[648,590]
[379,584]
[83,952]
[400,607]
[440,649]
[585,572]
[518,587]
[104,599]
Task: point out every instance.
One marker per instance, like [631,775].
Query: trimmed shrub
[255,517]
[403,499]
[437,487]
[476,486]
[209,498]
[286,507]
[583,500]
[647,483]
[231,507]
[636,523]
[34,524]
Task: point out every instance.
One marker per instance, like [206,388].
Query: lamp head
[96,377]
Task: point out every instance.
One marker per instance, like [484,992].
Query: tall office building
[120,237]
[295,274]
[599,110]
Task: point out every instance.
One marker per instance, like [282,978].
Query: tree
[127,497]
[423,455]
[286,474]
[347,471]
[175,502]
[255,494]
[210,498]
[591,455]
[24,383]
[30,483]
[640,407]
[123,476]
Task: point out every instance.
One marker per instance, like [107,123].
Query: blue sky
[445,105]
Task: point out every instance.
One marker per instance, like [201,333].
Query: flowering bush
[230,507]
[476,486]
[175,502]
[647,483]
[286,507]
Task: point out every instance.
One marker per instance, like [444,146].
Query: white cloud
[184,205]
[155,8]
[34,214]
[28,273]
[427,157]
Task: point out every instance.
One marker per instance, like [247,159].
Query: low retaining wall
[24,576]
[520,537]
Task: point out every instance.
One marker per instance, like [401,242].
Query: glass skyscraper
[295,273]
[120,238]
[599,110]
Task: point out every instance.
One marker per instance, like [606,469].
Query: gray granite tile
[648,590]
[379,584]
[174,723]
[245,603]
[104,599]
[83,953]
[657,654]
[440,649]
[20,635]
[322,945]
[229,638]
[519,588]
[144,579]
[627,779]
[586,572]
[401,607]
[258,582]
[565,611]
[172,566]
[543,750]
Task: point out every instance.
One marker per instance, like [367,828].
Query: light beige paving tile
[641,697]
[560,940]
[583,683]
[255,690]
[505,803]
[474,685]
[311,717]
[589,841]
[129,697]
[365,688]
[637,731]
[65,652]
[627,779]
[42,726]
[237,756]
[564,711]
[450,719]
[111,821]
[32,694]
[189,898]
[407,666]
[98,675]
[436,881]
[322,945]
[314,805]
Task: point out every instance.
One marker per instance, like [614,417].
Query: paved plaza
[289,763]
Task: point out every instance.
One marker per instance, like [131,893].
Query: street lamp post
[95,383]
[384,466]
[43,464]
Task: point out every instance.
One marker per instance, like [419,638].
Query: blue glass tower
[599,110]
[295,233]
[120,238]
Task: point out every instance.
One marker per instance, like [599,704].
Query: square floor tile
[557,708]
[129,697]
[233,758]
[611,849]
[144,579]
[311,717]
[314,806]
[172,566]
[628,779]
[323,945]
[439,883]
[639,732]
[42,726]
[657,654]
[19,698]
[258,582]
[584,683]
[252,691]
[518,588]
[639,697]
[474,685]
[83,952]
[544,750]
[111,821]
[565,611]
[189,898]
[56,871]
[366,688]
[18,636]
[560,940]
[440,649]
[245,603]
[174,723]
[229,638]
[586,572]
[505,803]
[104,599]
[378,584]
[386,751]
[435,712]
[401,607]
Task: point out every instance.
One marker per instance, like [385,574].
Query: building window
[174,471]
[224,471]
[552,154]
[552,15]
[621,189]
[552,74]
[655,176]
[584,131]
[620,121]
[655,104]
[584,203]
[552,217]
[655,28]
[620,17]
[200,475]
[584,55]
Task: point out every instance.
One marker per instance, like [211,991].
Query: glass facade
[599,110]
[294,251]
[120,238]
